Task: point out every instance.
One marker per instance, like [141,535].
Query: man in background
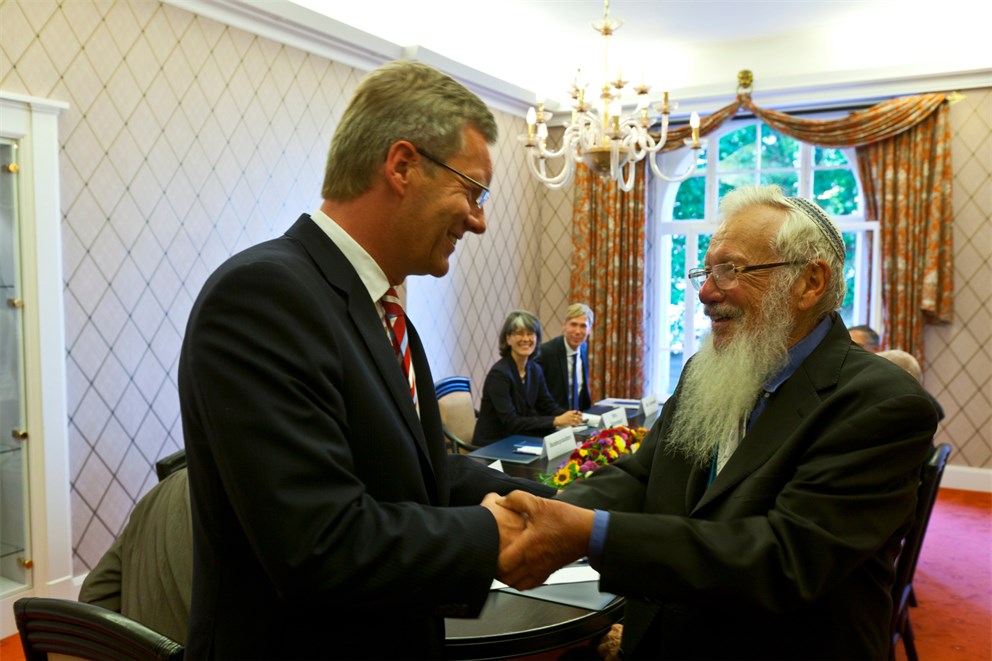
[908,362]
[328,519]
[147,573]
[763,513]
[866,337]
[565,360]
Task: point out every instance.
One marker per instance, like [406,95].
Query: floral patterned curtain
[903,148]
[908,186]
[608,275]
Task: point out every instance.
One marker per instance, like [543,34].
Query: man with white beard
[762,516]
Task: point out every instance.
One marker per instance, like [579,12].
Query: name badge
[560,443]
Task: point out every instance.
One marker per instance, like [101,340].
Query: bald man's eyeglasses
[725,275]
[483,195]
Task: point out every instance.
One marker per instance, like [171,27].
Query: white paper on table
[497,465]
[571,574]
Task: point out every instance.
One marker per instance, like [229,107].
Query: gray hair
[402,100]
[803,236]
[577,310]
[514,321]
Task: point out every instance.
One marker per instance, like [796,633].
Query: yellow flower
[562,477]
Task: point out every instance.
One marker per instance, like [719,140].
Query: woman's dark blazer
[511,406]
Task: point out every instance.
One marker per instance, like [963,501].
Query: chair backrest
[66,628]
[168,465]
[454,399]
[933,471]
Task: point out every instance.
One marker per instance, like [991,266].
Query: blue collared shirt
[798,352]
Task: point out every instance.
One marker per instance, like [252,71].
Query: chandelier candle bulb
[600,134]
[694,123]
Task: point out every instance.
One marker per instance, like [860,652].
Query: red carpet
[953,584]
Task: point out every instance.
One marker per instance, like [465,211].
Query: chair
[458,414]
[166,466]
[71,629]
[902,590]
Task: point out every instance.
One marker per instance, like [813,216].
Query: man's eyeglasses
[483,195]
[725,275]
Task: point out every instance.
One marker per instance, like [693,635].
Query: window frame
[867,305]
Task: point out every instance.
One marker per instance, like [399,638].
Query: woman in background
[515,397]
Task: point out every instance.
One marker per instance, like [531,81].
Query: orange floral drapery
[903,148]
[608,275]
[908,188]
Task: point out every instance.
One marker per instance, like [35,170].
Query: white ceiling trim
[302,28]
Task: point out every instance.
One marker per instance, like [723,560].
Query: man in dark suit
[565,360]
[762,515]
[328,520]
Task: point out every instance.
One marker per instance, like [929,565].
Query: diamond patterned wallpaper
[959,354]
[187,140]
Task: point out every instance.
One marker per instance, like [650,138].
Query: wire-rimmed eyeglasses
[483,195]
[725,275]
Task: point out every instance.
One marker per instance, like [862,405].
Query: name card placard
[592,420]
[649,405]
[559,443]
[615,418]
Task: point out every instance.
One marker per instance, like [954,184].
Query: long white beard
[721,385]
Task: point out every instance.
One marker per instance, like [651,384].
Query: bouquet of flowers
[602,449]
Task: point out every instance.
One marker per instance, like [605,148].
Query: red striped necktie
[396,320]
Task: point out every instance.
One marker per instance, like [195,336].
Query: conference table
[514,463]
[512,624]
[552,617]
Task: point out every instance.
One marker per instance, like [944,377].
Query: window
[746,152]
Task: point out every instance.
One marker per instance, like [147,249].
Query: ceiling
[679,44]
[694,48]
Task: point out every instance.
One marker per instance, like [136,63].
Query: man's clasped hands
[537,536]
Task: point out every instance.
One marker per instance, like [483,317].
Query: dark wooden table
[540,465]
[515,625]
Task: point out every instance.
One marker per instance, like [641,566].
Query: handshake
[537,536]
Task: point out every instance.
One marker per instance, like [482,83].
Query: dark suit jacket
[512,407]
[553,359]
[147,574]
[324,510]
[790,552]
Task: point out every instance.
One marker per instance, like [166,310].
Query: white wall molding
[303,28]
[33,123]
[967,478]
[293,25]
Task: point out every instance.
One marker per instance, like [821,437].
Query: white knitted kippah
[822,221]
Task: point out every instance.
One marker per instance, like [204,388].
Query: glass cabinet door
[15,562]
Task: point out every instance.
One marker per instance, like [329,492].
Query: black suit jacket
[511,407]
[553,359]
[325,512]
[790,552]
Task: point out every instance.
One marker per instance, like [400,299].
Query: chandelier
[610,142]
